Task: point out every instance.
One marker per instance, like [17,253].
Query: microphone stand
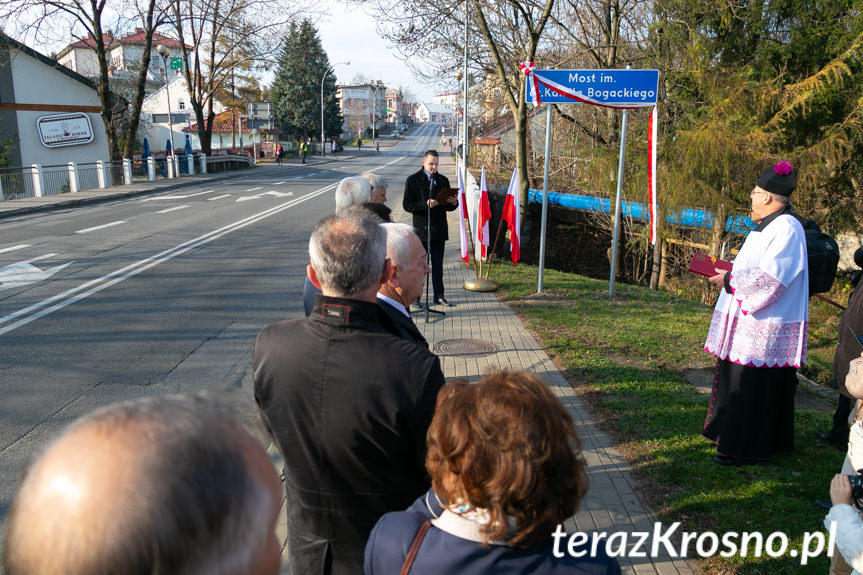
[428,250]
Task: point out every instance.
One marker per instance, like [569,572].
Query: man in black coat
[420,191]
[408,269]
[347,402]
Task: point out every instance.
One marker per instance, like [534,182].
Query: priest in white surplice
[759,330]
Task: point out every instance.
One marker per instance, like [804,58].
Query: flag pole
[472,248]
[494,248]
[463,209]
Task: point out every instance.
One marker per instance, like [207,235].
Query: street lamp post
[165,53]
[375,108]
[323,146]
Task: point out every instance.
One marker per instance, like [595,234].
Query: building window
[182,105]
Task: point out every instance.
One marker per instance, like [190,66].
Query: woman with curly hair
[506,468]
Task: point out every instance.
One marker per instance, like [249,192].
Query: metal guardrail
[36,181]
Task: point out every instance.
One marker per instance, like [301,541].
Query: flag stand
[480,283]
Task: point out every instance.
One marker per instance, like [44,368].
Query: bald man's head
[162,485]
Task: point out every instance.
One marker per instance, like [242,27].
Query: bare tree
[152,16]
[99,22]
[42,21]
[604,34]
[222,36]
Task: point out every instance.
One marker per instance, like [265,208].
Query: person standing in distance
[420,191]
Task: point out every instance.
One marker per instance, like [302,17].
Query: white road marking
[254,189]
[22,273]
[13,248]
[37,258]
[94,286]
[175,208]
[270,193]
[219,197]
[88,230]
[180,197]
[277,183]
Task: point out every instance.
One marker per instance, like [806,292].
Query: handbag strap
[415,547]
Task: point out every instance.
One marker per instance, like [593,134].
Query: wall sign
[64,130]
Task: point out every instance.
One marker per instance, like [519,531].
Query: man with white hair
[347,401]
[352,191]
[159,485]
[408,269]
[379,188]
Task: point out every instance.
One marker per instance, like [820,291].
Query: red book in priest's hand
[707,266]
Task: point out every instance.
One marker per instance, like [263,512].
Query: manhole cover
[465,347]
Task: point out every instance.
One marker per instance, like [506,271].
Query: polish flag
[484,216]
[462,210]
[512,215]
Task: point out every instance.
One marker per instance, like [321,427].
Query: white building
[124,55]
[434,113]
[451,99]
[155,123]
[54,113]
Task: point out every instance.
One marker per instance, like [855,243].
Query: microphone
[431,187]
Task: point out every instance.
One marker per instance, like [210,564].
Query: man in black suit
[408,269]
[420,191]
[347,402]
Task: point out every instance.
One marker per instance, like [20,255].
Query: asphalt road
[159,294]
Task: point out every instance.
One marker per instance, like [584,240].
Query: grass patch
[627,356]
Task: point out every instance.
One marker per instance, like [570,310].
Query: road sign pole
[544,196]
[617,202]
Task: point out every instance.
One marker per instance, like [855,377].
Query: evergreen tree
[296,89]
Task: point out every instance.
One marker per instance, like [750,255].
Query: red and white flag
[512,215]
[462,211]
[484,217]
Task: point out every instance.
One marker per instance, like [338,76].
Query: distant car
[394,135]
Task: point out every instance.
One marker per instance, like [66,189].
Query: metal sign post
[617,201]
[544,196]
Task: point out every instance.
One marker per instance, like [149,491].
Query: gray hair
[352,191]
[196,506]
[348,251]
[376,181]
[398,242]
[780,199]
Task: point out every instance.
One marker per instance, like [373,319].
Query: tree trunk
[656,270]
[105,97]
[708,294]
[140,86]
[522,133]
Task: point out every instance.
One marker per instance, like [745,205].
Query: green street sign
[176,63]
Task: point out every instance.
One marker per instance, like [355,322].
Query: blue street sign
[618,88]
